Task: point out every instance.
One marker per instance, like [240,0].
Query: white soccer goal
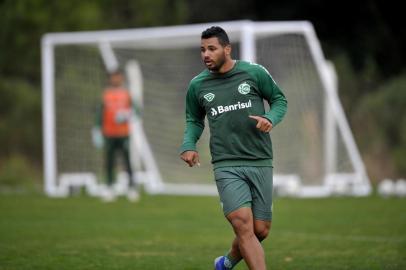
[314,151]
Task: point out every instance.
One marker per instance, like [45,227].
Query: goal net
[314,150]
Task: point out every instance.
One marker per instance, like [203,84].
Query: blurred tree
[23,23]
[20,114]
[380,125]
[128,14]
[365,29]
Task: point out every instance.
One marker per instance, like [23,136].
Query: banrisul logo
[209,97]
[244,88]
[233,107]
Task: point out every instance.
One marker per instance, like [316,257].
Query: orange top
[116,112]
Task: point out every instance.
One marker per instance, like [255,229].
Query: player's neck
[227,66]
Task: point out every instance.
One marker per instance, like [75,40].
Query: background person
[113,120]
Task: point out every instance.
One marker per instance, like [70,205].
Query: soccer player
[230,94]
[113,120]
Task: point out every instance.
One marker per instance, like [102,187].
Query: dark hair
[219,33]
[117,71]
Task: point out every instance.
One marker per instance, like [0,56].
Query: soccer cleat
[219,263]
[108,196]
[133,196]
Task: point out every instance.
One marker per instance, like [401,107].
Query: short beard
[218,65]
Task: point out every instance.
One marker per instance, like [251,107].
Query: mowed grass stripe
[168,232]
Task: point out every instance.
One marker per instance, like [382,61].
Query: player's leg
[108,194]
[260,182]
[110,160]
[236,199]
[249,246]
[261,231]
[261,185]
[132,192]
[126,154]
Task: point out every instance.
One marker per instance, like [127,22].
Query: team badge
[209,97]
[244,88]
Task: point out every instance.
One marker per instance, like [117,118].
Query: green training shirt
[227,99]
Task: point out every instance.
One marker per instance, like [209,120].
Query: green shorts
[246,186]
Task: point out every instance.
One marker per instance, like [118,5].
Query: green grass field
[168,232]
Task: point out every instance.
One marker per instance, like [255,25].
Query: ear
[227,50]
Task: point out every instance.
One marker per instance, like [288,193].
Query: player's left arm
[274,95]
[135,106]
[263,124]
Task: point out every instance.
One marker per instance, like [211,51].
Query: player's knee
[262,234]
[242,226]
[262,230]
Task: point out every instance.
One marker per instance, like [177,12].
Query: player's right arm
[191,158]
[97,136]
[193,129]
[98,120]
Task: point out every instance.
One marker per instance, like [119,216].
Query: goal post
[315,152]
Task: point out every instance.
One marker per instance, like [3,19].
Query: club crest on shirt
[209,97]
[244,88]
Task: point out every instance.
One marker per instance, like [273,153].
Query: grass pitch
[168,232]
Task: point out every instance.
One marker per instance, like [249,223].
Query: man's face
[116,79]
[213,53]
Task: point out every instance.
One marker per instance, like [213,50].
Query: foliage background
[364,39]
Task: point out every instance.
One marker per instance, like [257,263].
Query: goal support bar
[245,32]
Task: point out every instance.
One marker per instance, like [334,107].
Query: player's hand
[191,158]
[97,137]
[263,124]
